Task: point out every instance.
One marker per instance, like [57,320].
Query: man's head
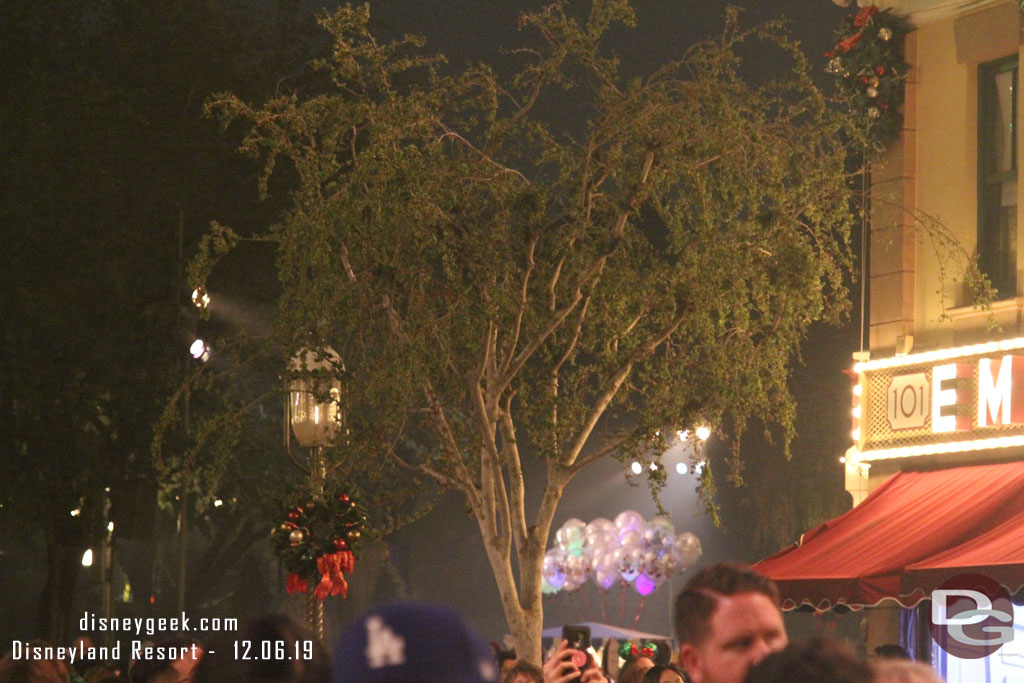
[816,661]
[727,619]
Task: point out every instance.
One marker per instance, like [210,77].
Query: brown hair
[698,600]
[903,671]
[820,660]
[527,669]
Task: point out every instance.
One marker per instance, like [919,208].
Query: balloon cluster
[629,549]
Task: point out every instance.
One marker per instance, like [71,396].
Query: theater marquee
[961,399]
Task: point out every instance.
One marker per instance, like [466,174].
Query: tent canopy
[909,535]
[601,631]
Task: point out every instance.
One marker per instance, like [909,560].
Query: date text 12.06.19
[277,650]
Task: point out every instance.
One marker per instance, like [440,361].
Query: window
[997,174]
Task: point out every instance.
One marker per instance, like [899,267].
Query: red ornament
[863,79]
[293,515]
[880,70]
[884,106]
[343,499]
[341,544]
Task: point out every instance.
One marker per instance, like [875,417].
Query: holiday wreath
[870,70]
[316,542]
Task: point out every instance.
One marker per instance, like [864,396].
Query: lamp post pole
[314,414]
[317,475]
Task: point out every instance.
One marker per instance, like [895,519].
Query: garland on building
[870,70]
[316,542]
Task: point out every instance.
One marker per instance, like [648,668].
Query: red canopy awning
[910,534]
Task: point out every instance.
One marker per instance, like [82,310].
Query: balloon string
[639,608]
[604,604]
[622,603]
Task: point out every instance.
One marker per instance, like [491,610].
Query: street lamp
[314,414]
[313,393]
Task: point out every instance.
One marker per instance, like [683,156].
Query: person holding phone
[571,662]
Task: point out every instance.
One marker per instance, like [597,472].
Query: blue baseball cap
[413,643]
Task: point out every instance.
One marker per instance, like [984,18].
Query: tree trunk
[527,635]
[521,604]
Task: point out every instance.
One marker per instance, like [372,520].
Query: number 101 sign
[906,401]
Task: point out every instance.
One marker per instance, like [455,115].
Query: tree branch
[514,466]
[616,383]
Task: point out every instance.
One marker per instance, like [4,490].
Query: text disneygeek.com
[137,649]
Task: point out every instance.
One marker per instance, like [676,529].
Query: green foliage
[492,278]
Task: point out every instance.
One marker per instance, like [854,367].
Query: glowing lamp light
[110,527]
[654,467]
[855,434]
[217,503]
[313,393]
[857,389]
[199,350]
[87,558]
[200,298]
[856,411]
[703,433]
[636,467]
[683,434]
[681,468]
[76,512]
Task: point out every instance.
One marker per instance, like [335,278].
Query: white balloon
[553,568]
[629,520]
[599,526]
[688,550]
[663,522]
[604,579]
[631,539]
[571,535]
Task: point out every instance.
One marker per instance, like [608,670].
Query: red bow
[295,584]
[847,44]
[863,15]
[332,580]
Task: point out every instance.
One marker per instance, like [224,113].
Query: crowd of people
[727,621]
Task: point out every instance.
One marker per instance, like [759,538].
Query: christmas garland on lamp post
[316,541]
[870,70]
